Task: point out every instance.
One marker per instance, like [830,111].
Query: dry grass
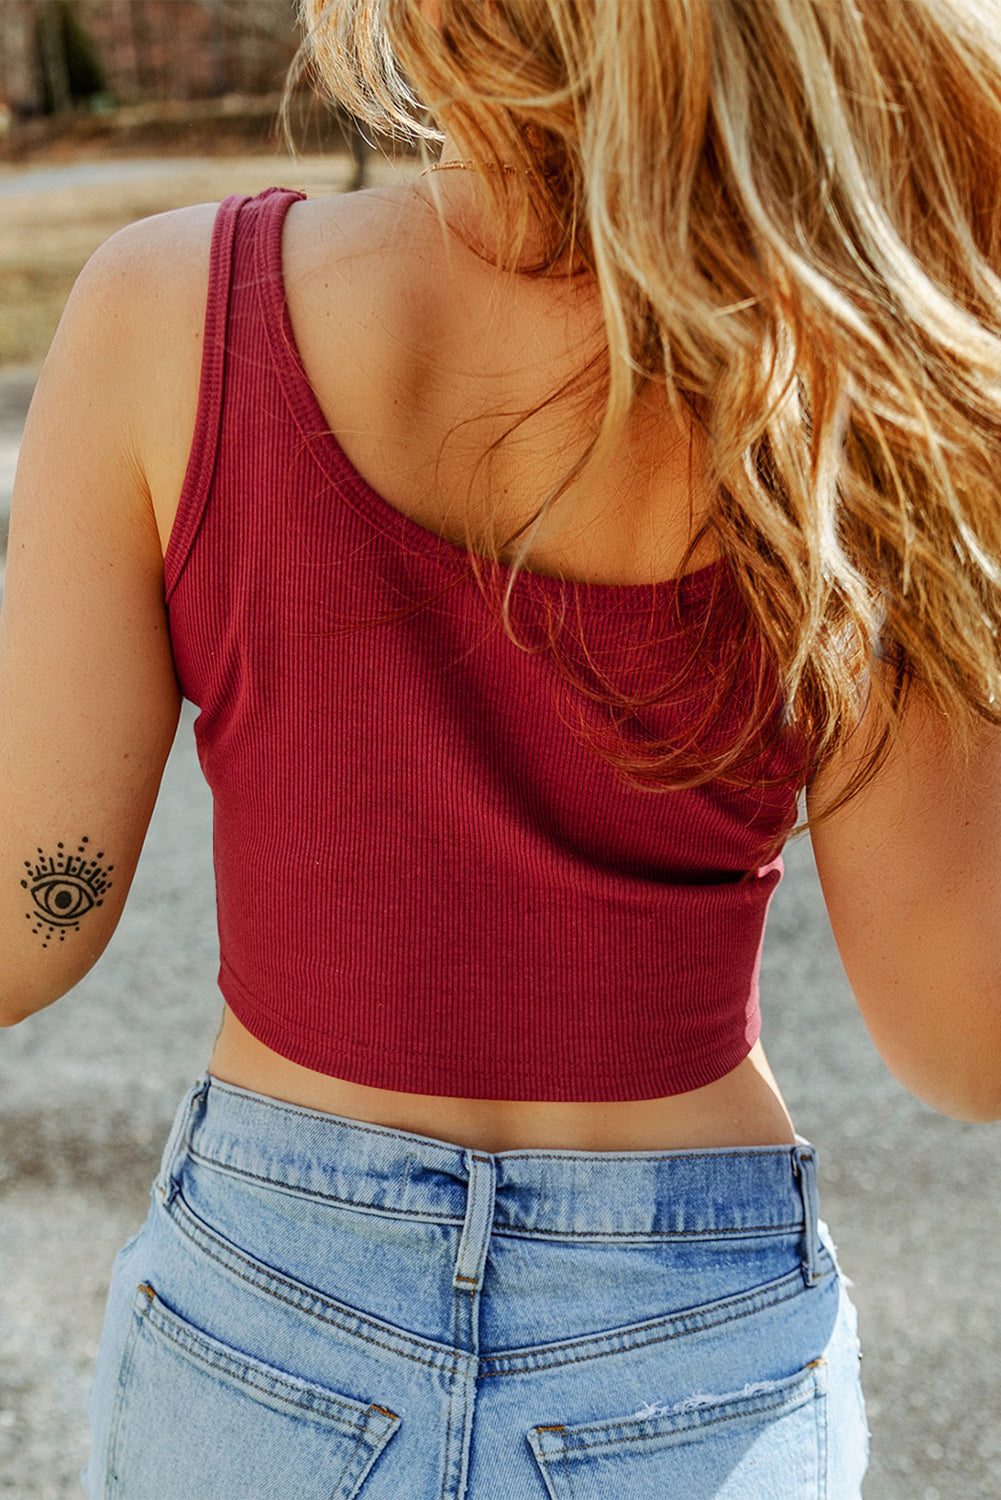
[45,237]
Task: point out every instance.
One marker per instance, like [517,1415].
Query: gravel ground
[88,1088]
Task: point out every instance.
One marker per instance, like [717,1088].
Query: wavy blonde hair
[792,211]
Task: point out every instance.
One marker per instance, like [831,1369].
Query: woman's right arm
[911,875]
[89,698]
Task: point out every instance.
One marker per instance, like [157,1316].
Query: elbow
[970,1093]
[24,990]
[979,1110]
[15,1008]
[12,1015]
[941,1039]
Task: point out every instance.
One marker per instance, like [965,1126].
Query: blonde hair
[792,211]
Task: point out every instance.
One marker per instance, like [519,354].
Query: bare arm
[89,700]
[911,874]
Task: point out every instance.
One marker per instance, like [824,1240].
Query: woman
[529,536]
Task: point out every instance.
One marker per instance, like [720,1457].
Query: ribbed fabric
[426,880]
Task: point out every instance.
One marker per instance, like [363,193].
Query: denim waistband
[347,1162]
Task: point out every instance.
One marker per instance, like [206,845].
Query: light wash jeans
[318,1308]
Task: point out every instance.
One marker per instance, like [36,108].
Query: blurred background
[142,98]
[114,109]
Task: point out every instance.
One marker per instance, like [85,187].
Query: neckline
[325,450]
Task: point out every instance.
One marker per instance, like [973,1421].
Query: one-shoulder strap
[204,445]
[274,310]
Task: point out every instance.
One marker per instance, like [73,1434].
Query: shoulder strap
[271,299]
[201,461]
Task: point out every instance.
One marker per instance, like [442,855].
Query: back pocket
[735,1447]
[196,1420]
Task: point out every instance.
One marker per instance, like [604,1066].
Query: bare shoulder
[162,251]
[141,298]
[149,279]
[139,302]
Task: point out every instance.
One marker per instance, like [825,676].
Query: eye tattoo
[63,887]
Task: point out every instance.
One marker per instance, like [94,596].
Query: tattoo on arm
[63,887]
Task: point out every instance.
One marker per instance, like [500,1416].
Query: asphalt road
[49,178]
[88,1088]
[16,386]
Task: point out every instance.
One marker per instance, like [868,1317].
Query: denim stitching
[691,1315]
[634,1341]
[352,1456]
[544,1464]
[114,1431]
[798,1394]
[266,1282]
[314,1193]
[655,1236]
[666,1156]
[792,1402]
[440,1218]
[177,1141]
[451,1394]
[233,1365]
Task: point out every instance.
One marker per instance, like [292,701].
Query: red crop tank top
[426,879]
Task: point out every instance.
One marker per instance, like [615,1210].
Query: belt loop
[178,1137]
[477,1224]
[804,1165]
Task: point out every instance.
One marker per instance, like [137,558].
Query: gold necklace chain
[468,166]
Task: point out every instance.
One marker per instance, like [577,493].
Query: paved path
[16,386]
[88,1087]
[89,173]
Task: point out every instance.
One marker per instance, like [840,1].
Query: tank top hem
[413,1072]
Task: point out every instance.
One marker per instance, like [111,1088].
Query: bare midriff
[744,1108]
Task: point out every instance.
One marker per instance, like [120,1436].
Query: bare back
[418,366]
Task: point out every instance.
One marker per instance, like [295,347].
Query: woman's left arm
[89,700]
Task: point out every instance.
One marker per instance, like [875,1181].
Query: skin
[399,351]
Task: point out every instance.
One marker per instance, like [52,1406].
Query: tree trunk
[53,48]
